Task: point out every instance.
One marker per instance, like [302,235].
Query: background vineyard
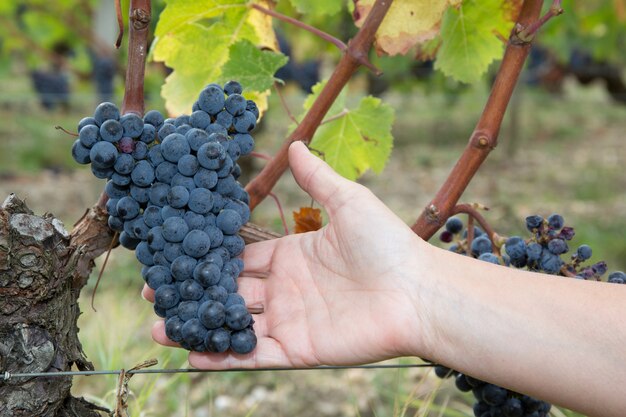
[560,152]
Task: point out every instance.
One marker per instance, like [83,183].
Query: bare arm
[559,339]
[365,288]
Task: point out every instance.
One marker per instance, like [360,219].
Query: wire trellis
[8,375]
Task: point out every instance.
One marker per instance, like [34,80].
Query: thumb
[318,179]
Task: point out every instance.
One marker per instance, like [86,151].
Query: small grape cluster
[494,400]
[175,200]
[542,252]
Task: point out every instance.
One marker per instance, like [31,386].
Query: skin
[365,288]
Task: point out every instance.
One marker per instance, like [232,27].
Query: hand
[340,295]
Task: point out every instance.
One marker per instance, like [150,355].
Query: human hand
[339,295]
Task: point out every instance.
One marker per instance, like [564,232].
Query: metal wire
[9,375]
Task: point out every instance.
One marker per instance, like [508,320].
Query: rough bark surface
[40,281]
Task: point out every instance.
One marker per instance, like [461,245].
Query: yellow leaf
[408,23]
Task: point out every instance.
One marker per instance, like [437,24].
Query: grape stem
[474,214]
[317,32]
[64,130]
[284,104]
[485,136]
[354,56]
[528,33]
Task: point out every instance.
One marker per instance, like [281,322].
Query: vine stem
[528,33]
[474,214]
[354,56]
[326,36]
[485,136]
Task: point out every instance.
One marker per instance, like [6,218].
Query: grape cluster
[175,200]
[543,252]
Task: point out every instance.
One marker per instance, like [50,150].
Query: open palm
[340,295]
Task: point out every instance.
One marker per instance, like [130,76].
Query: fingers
[158,334]
[147,293]
[318,179]
[268,353]
[257,258]
[252,290]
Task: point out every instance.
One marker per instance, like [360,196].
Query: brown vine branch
[485,135]
[120,23]
[139,18]
[317,32]
[528,33]
[354,56]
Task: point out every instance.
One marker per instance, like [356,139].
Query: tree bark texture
[41,274]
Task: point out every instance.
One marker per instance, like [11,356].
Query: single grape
[229,221]
[111,131]
[106,111]
[237,317]
[103,154]
[132,125]
[81,153]
[211,99]
[173,328]
[89,135]
[188,165]
[175,229]
[157,276]
[243,341]
[557,246]
[533,222]
[555,221]
[194,332]
[199,119]
[166,296]
[86,121]
[212,314]
[232,87]
[235,104]
[196,244]
[245,122]
[178,196]
[191,290]
[143,174]
[174,146]
[124,164]
[183,267]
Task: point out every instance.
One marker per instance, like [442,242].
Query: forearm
[551,337]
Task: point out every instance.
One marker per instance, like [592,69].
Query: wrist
[423,287]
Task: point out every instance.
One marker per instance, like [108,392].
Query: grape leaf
[317,7]
[253,68]
[468,38]
[308,219]
[194,38]
[357,140]
[407,23]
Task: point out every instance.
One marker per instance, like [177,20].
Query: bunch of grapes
[175,200]
[543,252]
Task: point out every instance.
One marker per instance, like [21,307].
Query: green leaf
[469,42]
[252,67]
[357,140]
[317,7]
[194,38]
[335,108]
